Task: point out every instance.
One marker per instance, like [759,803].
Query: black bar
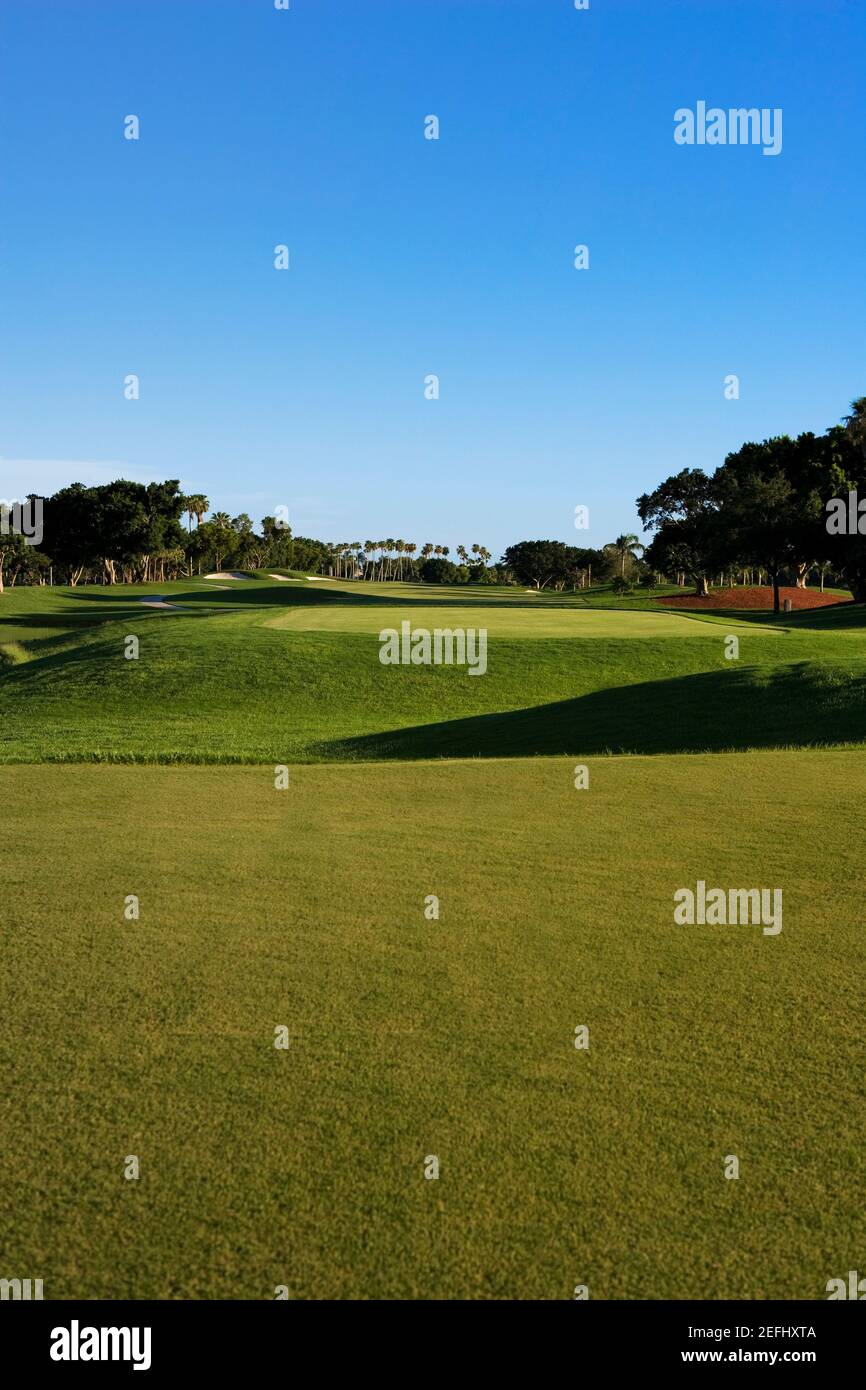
[231,1337]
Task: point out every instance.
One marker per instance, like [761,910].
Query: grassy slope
[217,681]
[411,1037]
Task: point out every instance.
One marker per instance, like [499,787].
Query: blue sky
[409,256]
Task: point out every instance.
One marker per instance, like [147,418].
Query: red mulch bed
[753,598]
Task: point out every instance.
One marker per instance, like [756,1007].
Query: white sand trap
[226,574]
[323,578]
[156,603]
[284,578]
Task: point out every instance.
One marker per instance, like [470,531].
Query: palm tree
[195,505]
[626,546]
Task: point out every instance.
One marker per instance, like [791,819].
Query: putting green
[503,622]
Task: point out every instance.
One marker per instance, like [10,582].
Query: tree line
[126,532]
[769,505]
[764,511]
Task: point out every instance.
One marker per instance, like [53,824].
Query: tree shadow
[841,616]
[263,595]
[805,704]
[123,604]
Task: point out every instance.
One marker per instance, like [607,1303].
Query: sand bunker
[156,603]
[284,578]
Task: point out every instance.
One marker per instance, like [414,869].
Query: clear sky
[410,256]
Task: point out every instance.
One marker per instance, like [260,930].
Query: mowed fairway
[411,1037]
[408,1036]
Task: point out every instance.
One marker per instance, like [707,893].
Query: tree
[579,562]
[69,530]
[12,548]
[161,533]
[275,546]
[683,512]
[135,527]
[219,537]
[847,447]
[121,527]
[537,562]
[195,505]
[436,570]
[771,498]
[308,554]
[855,424]
[626,547]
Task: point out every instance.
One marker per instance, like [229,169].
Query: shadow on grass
[835,617]
[805,704]
[66,654]
[260,595]
[842,616]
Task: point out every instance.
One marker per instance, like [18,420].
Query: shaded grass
[797,704]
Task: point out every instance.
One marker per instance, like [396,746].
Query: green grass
[411,1037]
[498,621]
[265,672]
